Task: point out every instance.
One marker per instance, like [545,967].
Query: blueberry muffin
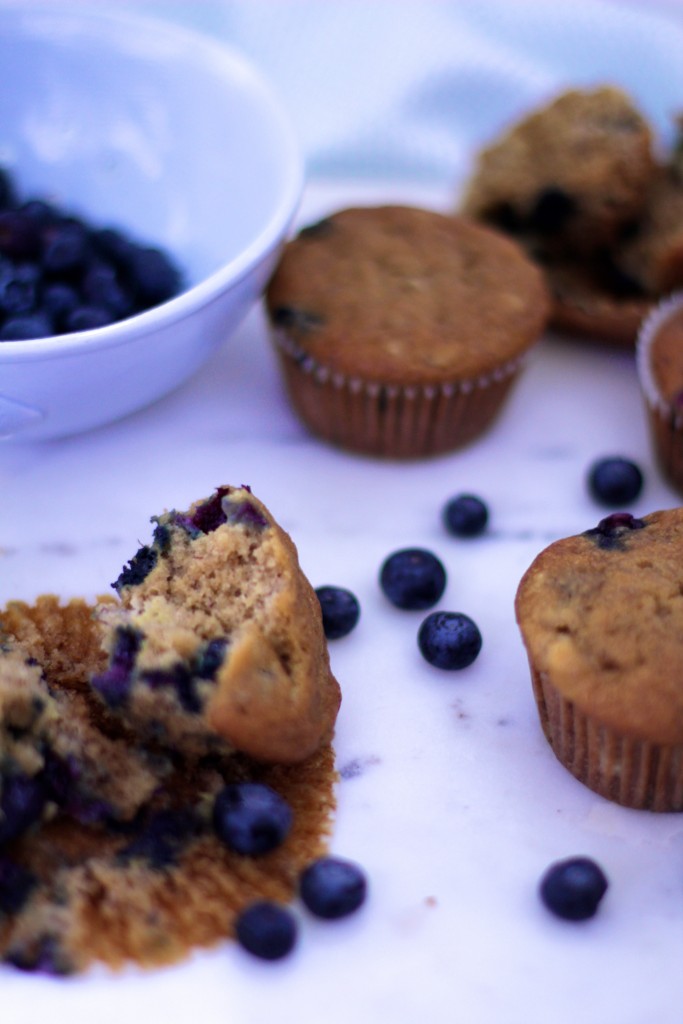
[400,330]
[109,846]
[217,643]
[601,617]
[568,176]
[659,360]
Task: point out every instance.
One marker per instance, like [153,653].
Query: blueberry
[449,640]
[113,685]
[465,516]
[266,930]
[340,611]
[210,657]
[152,276]
[611,531]
[19,288]
[16,885]
[615,481]
[251,818]
[573,888]
[332,888]
[163,838]
[66,248]
[413,579]
[88,318]
[138,569]
[551,211]
[7,190]
[58,301]
[21,805]
[23,327]
[19,235]
[101,287]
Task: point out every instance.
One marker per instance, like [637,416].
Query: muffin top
[400,295]
[573,171]
[601,615]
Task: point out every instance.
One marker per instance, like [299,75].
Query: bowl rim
[209,287]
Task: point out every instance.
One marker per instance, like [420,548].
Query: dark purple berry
[101,287]
[138,569]
[18,288]
[552,210]
[152,276]
[16,885]
[113,685]
[413,579]
[266,930]
[163,838]
[573,888]
[58,301]
[340,611]
[87,318]
[19,235]
[465,516]
[251,818]
[26,326]
[611,531]
[210,657]
[8,196]
[42,955]
[332,888]
[66,248]
[449,640]
[615,481]
[21,805]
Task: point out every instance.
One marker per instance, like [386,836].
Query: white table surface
[450,797]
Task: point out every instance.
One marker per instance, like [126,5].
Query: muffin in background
[659,359]
[601,616]
[400,330]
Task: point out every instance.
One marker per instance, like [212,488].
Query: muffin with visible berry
[601,617]
[217,643]
[577,183]
[400,330]
[569,175]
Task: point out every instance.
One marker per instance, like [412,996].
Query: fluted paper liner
[665,420]
[630,771]
[387,419]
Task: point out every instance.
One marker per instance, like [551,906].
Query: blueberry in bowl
[131,142]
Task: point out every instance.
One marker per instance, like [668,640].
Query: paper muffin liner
[391,420]
[665,420]
[636,773]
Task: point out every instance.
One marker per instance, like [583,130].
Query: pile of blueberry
[252,819]
[59,274]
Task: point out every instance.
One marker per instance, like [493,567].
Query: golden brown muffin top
[400,295]
[601,615]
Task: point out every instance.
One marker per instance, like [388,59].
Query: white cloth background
[402,89]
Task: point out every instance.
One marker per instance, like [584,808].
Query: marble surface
[449,796]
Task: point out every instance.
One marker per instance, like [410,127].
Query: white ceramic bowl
[169,136]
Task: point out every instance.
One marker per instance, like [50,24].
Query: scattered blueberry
[340,611]
[331,887]
[573,888]
[251,818]
[266,930]
[615,481]
[449,640]
[465,516]
[413,579]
